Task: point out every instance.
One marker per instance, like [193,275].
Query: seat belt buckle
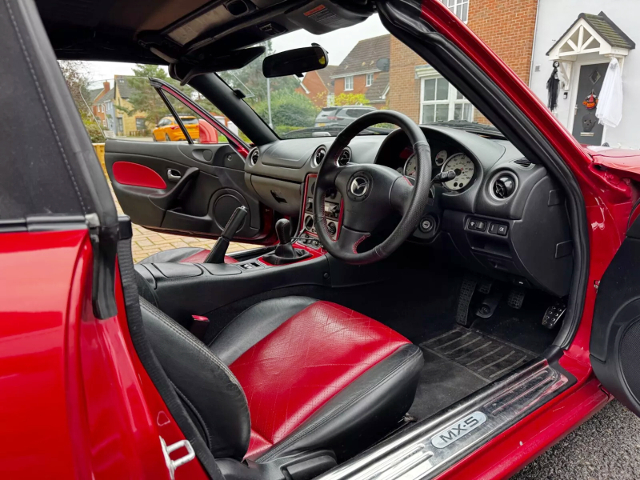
[199,326]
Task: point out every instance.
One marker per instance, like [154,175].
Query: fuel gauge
[441,157]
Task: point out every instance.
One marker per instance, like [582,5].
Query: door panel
[189,189]
[615,333]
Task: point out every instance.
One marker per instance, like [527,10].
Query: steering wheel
[371,192]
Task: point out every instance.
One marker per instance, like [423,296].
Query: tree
[351,99]
[289,111]
[77,82]
[144,98]
[250,80]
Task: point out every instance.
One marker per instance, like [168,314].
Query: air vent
[345,157]
[254,155]
[503,185]
[318,156]
[524,163]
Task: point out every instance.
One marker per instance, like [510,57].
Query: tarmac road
[605,447]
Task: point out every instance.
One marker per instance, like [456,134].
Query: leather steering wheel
[371,192]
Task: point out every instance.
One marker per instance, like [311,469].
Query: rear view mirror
[295,62]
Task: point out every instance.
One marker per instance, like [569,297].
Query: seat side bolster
[204,383]
[254,324]
[367,409]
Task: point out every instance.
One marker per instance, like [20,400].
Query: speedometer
[464,168]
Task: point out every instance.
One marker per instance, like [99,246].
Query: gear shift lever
[284,249]
[284,252]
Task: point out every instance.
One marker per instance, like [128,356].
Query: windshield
[368,70]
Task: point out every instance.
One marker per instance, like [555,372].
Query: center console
[333,208]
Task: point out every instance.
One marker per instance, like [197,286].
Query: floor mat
[485,356]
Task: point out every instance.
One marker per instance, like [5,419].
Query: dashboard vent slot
[318,156]
[503,185]
[254,155]
[524,163]
[345,157]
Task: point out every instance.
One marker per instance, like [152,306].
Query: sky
[338,44]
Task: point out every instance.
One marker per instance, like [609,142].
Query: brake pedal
[485,286]
[467,289]
[553,314]
[516,297]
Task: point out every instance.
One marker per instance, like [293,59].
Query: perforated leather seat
[288,375]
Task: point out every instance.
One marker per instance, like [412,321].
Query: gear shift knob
[283,230]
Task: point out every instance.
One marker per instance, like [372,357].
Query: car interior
[395,275]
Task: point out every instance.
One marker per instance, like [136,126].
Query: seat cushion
[307,368]
[183,255]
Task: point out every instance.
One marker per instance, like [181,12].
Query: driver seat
[289,375]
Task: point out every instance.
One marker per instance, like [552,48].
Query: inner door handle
[173,174]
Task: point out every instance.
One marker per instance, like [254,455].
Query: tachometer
[411,166]
[464,168]
[441,157]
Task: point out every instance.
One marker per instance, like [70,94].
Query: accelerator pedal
[553,314]
[516,297]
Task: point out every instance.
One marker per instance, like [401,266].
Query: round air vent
[503,185]
[254,155]
[345,157]
[318,156]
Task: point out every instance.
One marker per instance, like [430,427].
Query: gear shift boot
[284,252]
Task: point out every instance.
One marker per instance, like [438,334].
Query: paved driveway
[605,447]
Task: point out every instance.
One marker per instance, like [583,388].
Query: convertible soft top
[166,31]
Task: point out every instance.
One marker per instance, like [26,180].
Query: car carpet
[458,363]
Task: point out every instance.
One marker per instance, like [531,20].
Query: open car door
[615,333]
[186,186]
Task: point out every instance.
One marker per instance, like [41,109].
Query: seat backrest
[209,391]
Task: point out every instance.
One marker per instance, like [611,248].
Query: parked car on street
[342,115]
[168,129]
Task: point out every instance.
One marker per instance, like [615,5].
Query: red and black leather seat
[289,375]
[183,255]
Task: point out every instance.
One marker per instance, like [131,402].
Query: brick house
[420,92]
[98,104]
[318,86]
[365,70]
[126,124]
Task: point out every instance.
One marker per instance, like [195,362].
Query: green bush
[289,110]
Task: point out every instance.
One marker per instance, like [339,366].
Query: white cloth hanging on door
[609,111]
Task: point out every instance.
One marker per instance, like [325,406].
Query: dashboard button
[502,230]
[481,225]
[493,228]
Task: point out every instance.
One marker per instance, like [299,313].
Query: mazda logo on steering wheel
[359,186]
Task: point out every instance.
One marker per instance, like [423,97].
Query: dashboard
[501,215]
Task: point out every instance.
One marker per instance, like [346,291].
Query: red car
[409,313]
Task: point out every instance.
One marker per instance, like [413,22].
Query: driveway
[605,447]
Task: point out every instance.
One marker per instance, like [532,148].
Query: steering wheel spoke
[401,194]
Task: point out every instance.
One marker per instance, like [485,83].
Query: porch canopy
[590,34]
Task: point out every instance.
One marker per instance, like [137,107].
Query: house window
[368,80]
[460,8]
[441,102]
[140,124]
[348,83]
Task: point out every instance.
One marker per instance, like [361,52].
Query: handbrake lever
[219,250]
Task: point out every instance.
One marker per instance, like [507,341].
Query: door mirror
[295,62]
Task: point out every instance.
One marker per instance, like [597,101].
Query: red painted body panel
[75,402]
[128,173]
[320,350]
